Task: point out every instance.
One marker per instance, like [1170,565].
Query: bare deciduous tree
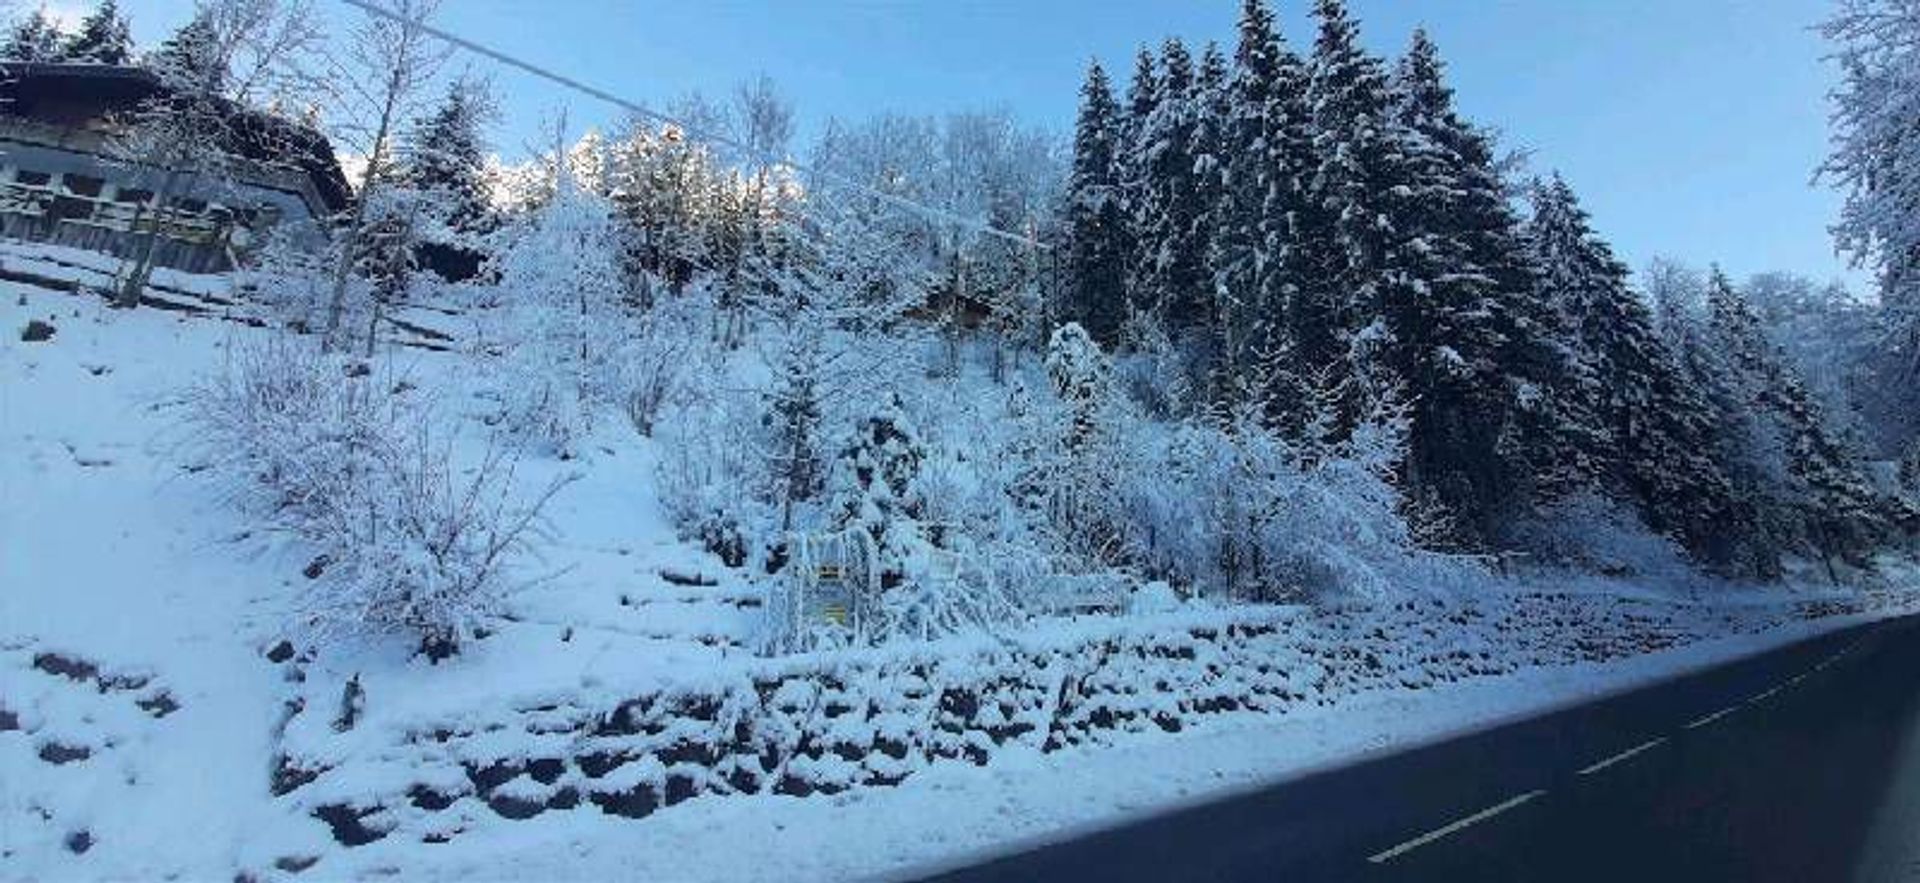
[234,59]
[380,78]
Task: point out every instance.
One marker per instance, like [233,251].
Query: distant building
[60,182]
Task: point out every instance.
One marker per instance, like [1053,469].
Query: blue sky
[1689,127]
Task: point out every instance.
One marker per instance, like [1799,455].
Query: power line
[643,111]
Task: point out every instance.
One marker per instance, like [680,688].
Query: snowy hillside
[670,500]
[151,723]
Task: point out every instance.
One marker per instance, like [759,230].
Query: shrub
[1591,533]
[346,463]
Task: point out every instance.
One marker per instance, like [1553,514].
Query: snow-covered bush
[288,277]
[564,329]
[1153,597]
[1152,370]
[711,467]
[1236,511]
[1593,534]
[1078,448]
[661,356]
[346,463]
[903,574]
[926,584]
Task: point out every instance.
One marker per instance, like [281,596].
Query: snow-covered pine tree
[804,316]
[1167,272]
[104,37]
[1831,337]
[1737,438]
[587,161]
[875,488]
[663,184]
[793,416]
[443,157]
[1294,241]
[1135,174]
[1830,507]
[387,255]
[1097,240]
[1875,158]
[190,57]
[1653,439]
[1353,195]
[35,37]
[823,332]
[924,588]
[1209,144]
[1457,343]
[1076,485]
[1237,255]
[1143,95]
[731,231]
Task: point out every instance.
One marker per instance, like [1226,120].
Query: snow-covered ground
[145,720]
[956,813]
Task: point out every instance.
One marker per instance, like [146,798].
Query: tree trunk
[132,287]
[343,270]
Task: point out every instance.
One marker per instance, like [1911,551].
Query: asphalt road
[1802,765]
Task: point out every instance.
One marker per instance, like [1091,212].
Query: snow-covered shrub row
[1592,534]
[1227,508]
[977,503]
[825,723]
[347,462]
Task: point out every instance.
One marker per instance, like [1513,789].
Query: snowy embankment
[152,723]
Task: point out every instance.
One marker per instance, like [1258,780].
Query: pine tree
[1166,278]
[1653,444]
[666,187]
[1828,506]
[587,161]
[443,157]
[1346,100]
[190,58]
[35,37]
[1357,189]
[793,414]
[445,153]
[104,37]
[876,485]
[1236,254]
[1460,341]
[1210,146]
[1276,244]
[1143,94]
[1097,246]
[1134,172]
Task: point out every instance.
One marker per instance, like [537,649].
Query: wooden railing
[125,217]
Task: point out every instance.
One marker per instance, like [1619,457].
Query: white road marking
[1453,828]
[1620,757]
[1713,717]
[1491,811]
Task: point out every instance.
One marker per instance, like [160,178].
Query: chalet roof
[59,92]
